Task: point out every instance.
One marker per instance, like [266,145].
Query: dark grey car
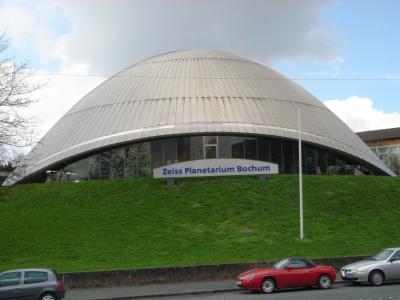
[31,284]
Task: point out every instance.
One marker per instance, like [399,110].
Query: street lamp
[300,176]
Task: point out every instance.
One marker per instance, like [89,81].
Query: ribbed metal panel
[196,91]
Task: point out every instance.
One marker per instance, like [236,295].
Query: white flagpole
[300,177]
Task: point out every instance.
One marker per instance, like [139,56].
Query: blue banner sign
[216,167]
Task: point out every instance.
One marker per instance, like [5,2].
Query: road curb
[171,294]
[162,295]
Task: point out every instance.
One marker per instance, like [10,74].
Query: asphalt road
[338,292]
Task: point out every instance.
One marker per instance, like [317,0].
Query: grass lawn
[142,223]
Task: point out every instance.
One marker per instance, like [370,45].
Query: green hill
[142,223]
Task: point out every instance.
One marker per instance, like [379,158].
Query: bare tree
[15,94]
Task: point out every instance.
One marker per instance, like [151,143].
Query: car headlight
[349,271]
[250,277]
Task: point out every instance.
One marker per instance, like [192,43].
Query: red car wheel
[324,281]
[268,286]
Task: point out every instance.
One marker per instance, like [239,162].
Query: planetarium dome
[191,94]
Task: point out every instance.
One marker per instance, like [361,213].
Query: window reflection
[210,140]
[264,151]
[105,164]
[276,153]
[311,158]
[238,147]
[157,155]
[117,163]
[139,159]
[183,148]
[196,148]
[250,148]
[210,146]
[390,155]
[289,158]
[231,147]
[131,164]
[170,151]
[94,166]
[210,151]
[143,159]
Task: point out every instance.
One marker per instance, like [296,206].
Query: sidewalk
[136,292]
[157,290]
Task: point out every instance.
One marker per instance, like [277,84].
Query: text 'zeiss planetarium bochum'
[195,105]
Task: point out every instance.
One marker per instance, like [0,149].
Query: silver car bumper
[358,276]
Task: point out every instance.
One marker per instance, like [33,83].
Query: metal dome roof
[190,92]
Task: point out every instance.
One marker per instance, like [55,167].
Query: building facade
[189,105]
[385,143]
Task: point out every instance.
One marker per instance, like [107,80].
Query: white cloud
[31,27]
[92,37]
[58,95]
[37,34]
[361,115]
[113,36]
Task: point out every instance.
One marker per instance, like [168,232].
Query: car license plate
[239,283]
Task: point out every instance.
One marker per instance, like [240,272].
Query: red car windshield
[297,263]
[282,264]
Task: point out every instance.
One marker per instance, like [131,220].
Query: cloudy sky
[344,52]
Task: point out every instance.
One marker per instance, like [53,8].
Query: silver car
[31,284]
[383,266]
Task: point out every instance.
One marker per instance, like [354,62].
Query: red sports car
[287,273]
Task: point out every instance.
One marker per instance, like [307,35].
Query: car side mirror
[289,268]
[392,259]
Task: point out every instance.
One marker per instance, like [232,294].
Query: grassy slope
[141,223]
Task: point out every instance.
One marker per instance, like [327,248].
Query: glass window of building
[170,151]
[81,170]
[250,148]
[210,147]
[117,163]
[390,155]
[264,151]
[238,147]
[322,162]
[210,140]
[138,159]
[52,176]
[76,171]
[276,153]
[131,162]
[68,173]
[144,161]
[225,146]
[183,148]
[230,147]
[210,152]
[105,164]
[288,156]
[196,148]
[310,160]
[330,163]
[157,153]
[94,167]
